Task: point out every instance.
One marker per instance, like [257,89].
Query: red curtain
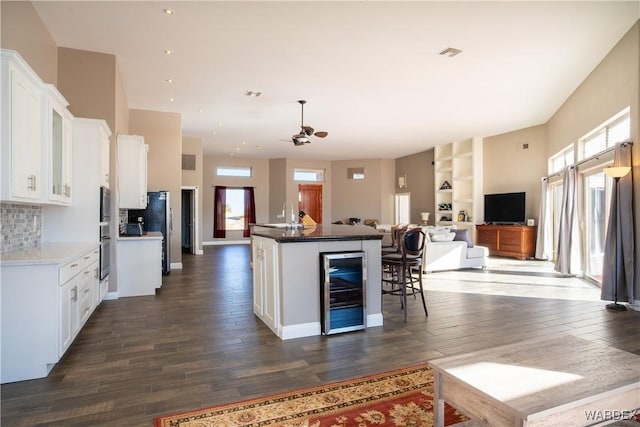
[249,210]
[219,214]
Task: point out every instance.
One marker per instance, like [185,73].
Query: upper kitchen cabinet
[132,172]
[22,125]
[58,147]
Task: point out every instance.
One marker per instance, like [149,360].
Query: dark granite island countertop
[320,232]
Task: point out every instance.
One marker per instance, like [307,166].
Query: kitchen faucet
[293,217]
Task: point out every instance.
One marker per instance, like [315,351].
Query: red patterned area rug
[403,397]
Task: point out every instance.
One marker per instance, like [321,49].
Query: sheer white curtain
[568,255]
[544,239]
[621,235]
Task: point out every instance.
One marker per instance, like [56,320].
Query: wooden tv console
[518,241]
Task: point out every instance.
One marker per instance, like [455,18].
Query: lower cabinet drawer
[76,266]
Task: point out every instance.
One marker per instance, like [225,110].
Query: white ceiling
[370,71]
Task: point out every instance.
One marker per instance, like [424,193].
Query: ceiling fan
[305,131]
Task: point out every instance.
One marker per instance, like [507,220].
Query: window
[561,160]
[313,175]
[616,129]
[355,173]
[234,209]
[240,171]
[596,193]
[554,205]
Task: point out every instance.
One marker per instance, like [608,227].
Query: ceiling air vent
[450,52]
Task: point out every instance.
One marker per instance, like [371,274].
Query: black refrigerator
[157,217]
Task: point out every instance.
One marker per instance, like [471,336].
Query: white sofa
[451,255]
[444,255]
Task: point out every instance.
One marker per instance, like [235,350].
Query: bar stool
[397,268]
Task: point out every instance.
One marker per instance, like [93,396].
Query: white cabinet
[68,314]
[36,137]
[58,146]
[139,264]
[78,281]
[46,297]
[265,281]
[105,152]
[458,183]
[21,131]
[132,172]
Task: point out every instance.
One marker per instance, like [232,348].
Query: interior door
[310,200]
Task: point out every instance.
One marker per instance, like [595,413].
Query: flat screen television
[504,208]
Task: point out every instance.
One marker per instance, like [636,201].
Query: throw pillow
[442,237]
[462,235]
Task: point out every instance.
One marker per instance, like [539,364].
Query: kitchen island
[287,274]
[139,267]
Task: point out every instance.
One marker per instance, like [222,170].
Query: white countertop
[151,235]
[47,253]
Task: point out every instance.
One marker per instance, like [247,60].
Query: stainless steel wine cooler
[343,282]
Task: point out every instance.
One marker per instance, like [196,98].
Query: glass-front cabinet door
[56,154]
[59,148]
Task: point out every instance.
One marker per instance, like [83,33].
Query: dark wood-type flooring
[197,343]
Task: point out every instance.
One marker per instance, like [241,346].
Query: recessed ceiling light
[169,80]
[253,93]
[169,11]
[237,148]
[450,52]
[171,99]
[168,52]
[199,110]
[213,133]
[259,146]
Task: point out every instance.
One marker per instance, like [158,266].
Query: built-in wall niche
[355,173]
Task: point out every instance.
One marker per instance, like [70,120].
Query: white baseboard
[176,266]
[110,296]
[199,252]
[635,306]
[226,242]
[374,320]
[299,331]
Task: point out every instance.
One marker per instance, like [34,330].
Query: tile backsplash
[21,226]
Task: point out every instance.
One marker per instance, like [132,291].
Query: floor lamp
[616,173]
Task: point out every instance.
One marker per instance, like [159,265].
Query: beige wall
[259,180]
[22,30]
[387,190]
[91,83]
[121,105]
[88,81]
[420,183]
[162,132]
[509,167]
[193,146]
[364,199]
[277,188]
[613,85]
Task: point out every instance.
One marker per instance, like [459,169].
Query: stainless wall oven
[105,243]
[105,204]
